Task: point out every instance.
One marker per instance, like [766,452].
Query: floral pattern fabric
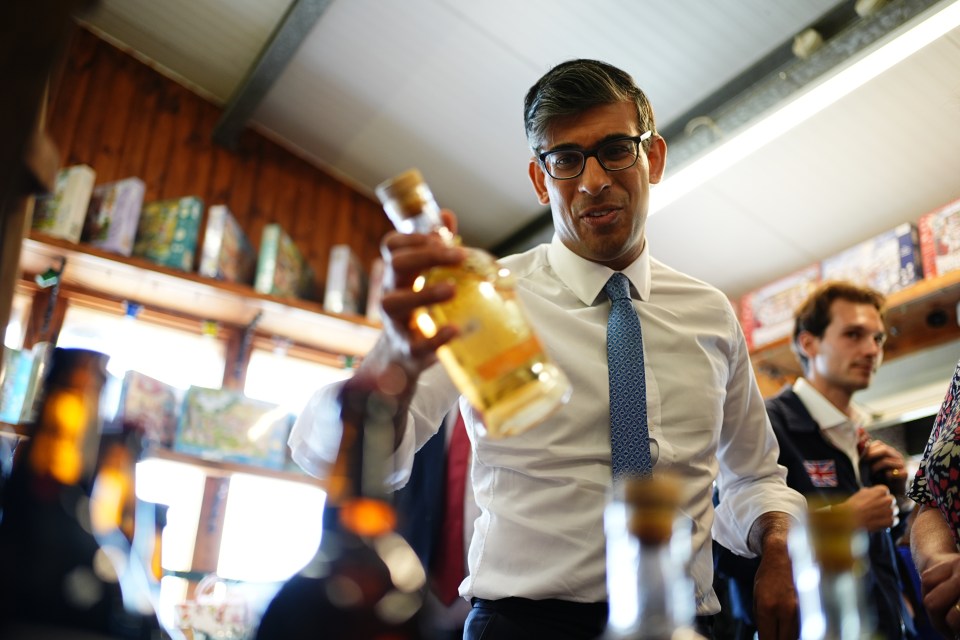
[936,483]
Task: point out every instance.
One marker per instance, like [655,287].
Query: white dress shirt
[542,493]
[835,426]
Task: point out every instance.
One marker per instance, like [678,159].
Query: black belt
[591,612]
[545,607]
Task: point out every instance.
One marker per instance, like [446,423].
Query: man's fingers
[425,348]
[402,302]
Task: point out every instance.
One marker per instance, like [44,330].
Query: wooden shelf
[224,469]
[91,270]
[918,317]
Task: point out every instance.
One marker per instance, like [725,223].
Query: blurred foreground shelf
[212,467]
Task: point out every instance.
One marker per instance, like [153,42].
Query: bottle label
[509,359]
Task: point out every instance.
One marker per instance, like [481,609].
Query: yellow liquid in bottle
[497,362]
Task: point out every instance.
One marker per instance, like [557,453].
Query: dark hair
[813,314]
[572,87]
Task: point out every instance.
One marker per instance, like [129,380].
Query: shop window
[276,376]
[271,528]
[175,356]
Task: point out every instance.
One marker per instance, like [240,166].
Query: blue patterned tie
[629,439]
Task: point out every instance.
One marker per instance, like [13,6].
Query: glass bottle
[123,525]
[829,556]
[497,362]
[650,591]
[364,582]
[55,573]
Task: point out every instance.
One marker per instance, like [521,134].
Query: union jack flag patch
[823,473]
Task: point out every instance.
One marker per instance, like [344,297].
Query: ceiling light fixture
[844,80]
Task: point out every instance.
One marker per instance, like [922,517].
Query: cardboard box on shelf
[168,230]
[887,262]
[113,215]
[375,290]
[281,269]
[227,253]
[151,405]
[346,282]
[940,239]
[62,213]
[766,314]
[220,424]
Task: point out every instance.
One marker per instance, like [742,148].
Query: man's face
[851,348]
[600,215]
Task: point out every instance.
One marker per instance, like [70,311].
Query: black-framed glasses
[613,155]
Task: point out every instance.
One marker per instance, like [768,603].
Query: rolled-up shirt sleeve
[751,482]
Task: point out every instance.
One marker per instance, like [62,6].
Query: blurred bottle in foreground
[829,555]
[650,591]
[364,582]
[124,526]
[55,574]
[497,362]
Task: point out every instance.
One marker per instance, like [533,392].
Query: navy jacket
[817,468]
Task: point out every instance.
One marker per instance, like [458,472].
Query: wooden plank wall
[123,118]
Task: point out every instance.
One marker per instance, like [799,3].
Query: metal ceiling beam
[283,43]
[828,25]
[725,117]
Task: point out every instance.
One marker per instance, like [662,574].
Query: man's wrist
[769,533]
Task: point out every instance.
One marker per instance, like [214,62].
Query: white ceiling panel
[209,44]
[711,237]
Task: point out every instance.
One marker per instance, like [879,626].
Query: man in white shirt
[838,338]
[537,557]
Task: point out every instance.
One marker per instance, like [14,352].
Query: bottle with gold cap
[649,589]
[497,362]
[364,582]
[829,556]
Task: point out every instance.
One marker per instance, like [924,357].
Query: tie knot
[617,287]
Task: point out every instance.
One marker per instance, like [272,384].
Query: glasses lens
[564,164]
[618,154]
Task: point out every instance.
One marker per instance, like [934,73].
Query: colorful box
[346,282]
[62,213]
[220,424]
[281,269]
[939,233]
[15,376]
[113,215]
[167,232]
[150,405]
[766,314]
[888,262]
[227,253]
[375,290]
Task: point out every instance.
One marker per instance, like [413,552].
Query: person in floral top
[935,536]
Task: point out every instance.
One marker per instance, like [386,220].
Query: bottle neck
[357,485]
[426,222]
[846,614]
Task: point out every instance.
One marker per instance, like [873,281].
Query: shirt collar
[586,279]
[822,410]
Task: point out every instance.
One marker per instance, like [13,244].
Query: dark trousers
[522,619]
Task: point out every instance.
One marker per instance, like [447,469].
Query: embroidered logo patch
[823,473]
